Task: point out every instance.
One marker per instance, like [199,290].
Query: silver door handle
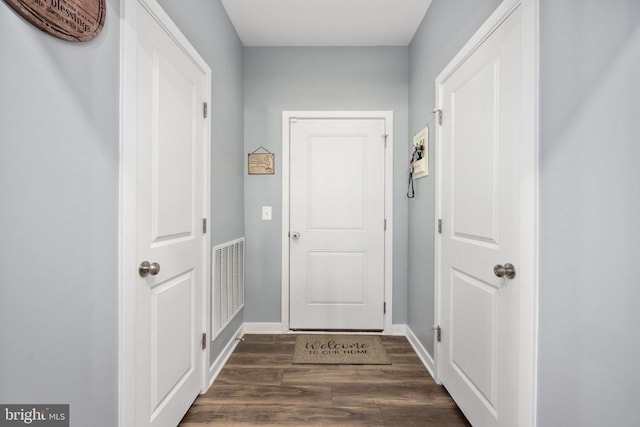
[507,271]
[146,268]
[295,235]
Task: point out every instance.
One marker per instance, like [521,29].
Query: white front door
[480,202]
[337,207]
[170,198]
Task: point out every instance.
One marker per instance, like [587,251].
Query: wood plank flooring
[260,386]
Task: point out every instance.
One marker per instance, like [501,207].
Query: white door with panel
[480,207]
[171,174]
[337,207]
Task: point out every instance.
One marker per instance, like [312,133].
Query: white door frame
[127,202]
[388,201]
[528,270]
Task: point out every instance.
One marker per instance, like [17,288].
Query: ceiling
[326,22]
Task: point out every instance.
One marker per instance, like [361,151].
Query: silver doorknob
[507,271]
[148,268]
[295,235]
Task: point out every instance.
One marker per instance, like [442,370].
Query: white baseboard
[262,328]
[276,328]
[221,360]
[398,330]
[422,353]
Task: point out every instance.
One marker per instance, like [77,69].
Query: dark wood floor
[260,386]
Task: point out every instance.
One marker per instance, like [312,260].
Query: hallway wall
[59,147]
[59,172]
[278,79]
[589,211]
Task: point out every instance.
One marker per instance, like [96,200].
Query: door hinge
[204,225]
[204,340]
[384,308]
[385,136]
[438,332]
[438,113]
[205,110]
[385,224]
[439,226]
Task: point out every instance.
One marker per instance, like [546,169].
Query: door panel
[337,207]
[327,271]
[173,360]
[172,122]
[473,334]
[330,160]
[475,155]
[480,203]
[170,180]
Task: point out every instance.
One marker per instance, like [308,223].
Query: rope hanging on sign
[261,148]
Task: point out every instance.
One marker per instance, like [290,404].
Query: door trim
[127,202]
[528,326]
[388,201]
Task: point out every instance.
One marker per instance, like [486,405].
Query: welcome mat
[340,350]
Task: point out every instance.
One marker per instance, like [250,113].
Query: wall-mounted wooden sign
[261,164]
[73,20]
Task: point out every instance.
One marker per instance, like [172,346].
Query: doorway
[486,203]
[337,220]
[164,191]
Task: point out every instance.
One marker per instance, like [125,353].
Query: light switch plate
[266,213]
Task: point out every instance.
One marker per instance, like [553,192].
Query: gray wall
[208,28]
[589,211]
[59,142]
[445,29]
[278,79]
[59,219]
